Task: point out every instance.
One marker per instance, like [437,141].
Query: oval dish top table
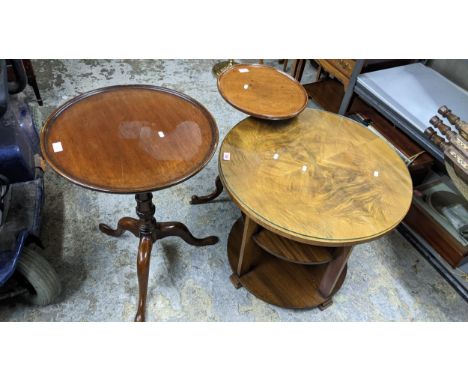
[309,188]
[132,139]
[129,138]
[320,178]
[262,91]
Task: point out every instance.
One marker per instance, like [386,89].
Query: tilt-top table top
[129,138]
[319,178]
[262,91]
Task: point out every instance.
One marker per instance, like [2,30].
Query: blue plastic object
[23,220]
[19,143]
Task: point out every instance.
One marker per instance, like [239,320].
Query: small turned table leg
[145,210]
[207,198]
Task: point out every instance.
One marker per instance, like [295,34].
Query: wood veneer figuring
[319,179]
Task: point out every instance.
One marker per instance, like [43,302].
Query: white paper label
[227,156]
[57,147]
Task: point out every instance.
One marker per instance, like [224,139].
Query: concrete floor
[387,279]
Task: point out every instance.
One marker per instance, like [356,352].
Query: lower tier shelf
[293,251]
[279,282]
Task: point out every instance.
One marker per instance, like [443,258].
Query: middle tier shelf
[291,250]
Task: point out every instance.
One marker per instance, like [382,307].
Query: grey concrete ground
[387,279]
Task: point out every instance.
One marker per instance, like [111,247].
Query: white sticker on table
[57,147]
[227,156]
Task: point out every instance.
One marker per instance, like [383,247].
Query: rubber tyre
[42,280]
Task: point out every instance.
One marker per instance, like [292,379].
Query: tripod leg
[143,263]
[180,230]
[207,198]
[124,224]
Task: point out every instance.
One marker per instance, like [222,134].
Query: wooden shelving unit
[279,281]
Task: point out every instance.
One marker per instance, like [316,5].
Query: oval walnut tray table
[309,190]
[262,91]
[132,139]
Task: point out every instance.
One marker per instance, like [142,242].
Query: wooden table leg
[124,224]
[249,250]
[166,229]
[32,80]
[318,74]
[207,198]
[143,263]
[333,271]
[298,69]
[145,210]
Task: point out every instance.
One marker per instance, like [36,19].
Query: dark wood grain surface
[129,138]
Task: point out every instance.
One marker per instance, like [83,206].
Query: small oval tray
[262,91]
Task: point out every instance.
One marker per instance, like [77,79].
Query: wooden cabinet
[341,69]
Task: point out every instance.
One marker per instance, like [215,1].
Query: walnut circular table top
[129,138]
[262,91]
[319,178]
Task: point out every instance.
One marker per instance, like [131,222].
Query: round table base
[279,282]
[148,230]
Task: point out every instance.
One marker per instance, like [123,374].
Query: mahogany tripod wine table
[309,189]
[132,139]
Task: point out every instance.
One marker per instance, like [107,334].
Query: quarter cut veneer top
[262,91]
[319,178]
[129,138]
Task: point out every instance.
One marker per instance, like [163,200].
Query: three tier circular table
[309,189]
[132,139]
